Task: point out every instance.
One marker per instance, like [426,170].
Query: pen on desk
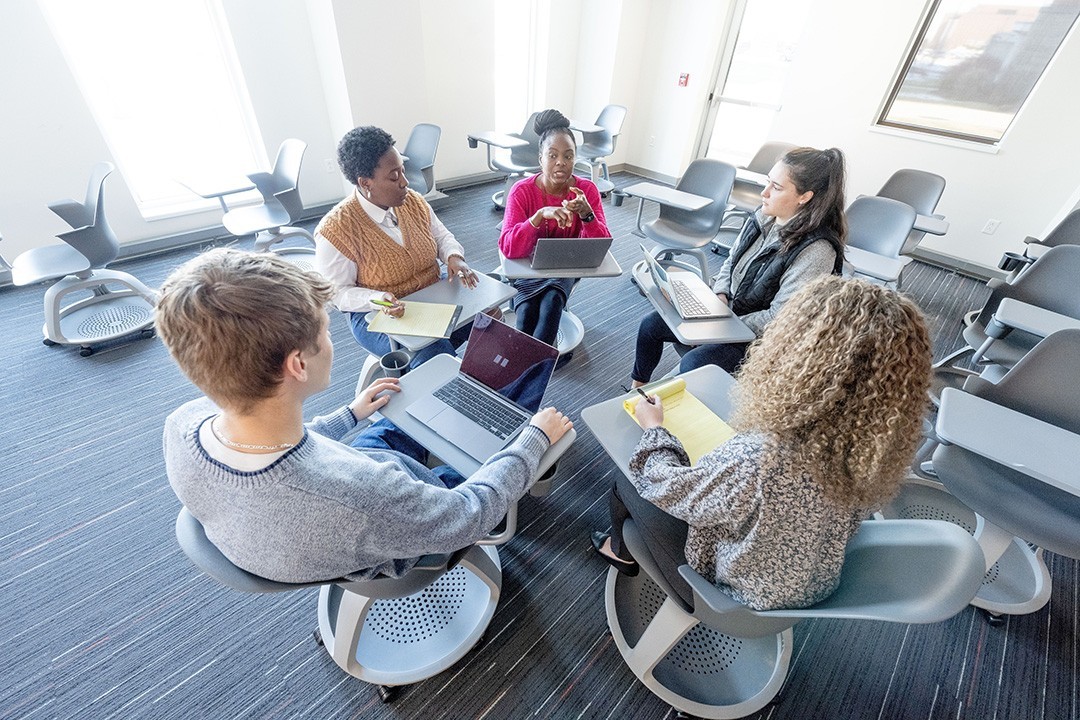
[647,398]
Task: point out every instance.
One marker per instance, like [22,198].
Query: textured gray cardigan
[761,528]
[326,510]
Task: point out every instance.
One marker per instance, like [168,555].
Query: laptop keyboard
[479,407]
[688,303]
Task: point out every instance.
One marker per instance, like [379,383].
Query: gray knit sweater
[326,510]
[761,529]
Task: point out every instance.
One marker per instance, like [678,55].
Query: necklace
[244,446]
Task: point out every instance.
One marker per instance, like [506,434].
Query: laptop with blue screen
[499,387]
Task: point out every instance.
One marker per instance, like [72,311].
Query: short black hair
[359,152]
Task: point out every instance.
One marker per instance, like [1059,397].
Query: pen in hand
[648,399]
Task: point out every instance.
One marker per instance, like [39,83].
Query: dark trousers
[385,435]
[540,315]
[664,535]
[653,332]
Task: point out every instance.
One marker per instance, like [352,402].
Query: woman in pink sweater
[553,203]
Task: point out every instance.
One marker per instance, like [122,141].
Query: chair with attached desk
[746,192]
[921,190]
[1066,232]
[516,154]
[272,220]
[596,145]
[79,266]
[716,658]
[1005,463]
[999,337]
[682,231]
[878,227]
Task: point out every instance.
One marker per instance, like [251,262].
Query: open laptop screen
[508,361]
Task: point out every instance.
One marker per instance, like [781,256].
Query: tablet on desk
[570,253]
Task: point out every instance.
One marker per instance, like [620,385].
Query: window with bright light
[519,61]
[974,64]
[163,83]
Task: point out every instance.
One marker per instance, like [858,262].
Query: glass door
[754,66]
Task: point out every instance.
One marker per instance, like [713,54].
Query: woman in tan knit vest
[383,242]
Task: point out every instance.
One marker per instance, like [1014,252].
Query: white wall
[49,140]
[837,87]
[318,67]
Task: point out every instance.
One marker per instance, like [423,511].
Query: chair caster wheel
[994,619]
[86,351]
[318,638]
[49,343]
[388,693]
[147,332]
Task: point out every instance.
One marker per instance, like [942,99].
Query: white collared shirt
[340,271]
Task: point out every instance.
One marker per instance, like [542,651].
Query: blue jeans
[378,344]
[385,435]
[653,332]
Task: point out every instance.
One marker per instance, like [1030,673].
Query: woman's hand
[552,423]
[578,204]
[457,268]
[723,298]
[396,308]
[367,402]
[649,414]
[561,215]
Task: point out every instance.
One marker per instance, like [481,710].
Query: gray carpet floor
[103,616]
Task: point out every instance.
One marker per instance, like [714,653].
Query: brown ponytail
[821,171]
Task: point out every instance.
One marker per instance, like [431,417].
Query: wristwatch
[589,218]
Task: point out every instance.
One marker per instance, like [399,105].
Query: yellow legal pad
[698,428]
[422,319]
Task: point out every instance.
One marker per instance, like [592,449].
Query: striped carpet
[103,617]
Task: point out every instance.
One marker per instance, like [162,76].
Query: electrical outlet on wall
[330,165]
[990,226]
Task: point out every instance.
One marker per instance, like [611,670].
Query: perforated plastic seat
[111,304]
[719,659]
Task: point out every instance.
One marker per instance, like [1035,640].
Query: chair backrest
[193,541]
[767,155]
[528,155]
[91,234]
[286,178]
[1050,283]
[879,225]
[1043,384]
[603,141]
[420,156]
[708,178]
[1066,232]
[918,188]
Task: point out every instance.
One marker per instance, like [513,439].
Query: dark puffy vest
[762,280]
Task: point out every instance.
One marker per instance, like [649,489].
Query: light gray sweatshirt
[326,510]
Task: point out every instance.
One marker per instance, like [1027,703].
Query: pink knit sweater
[519,236]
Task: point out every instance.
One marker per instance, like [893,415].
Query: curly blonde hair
[841,373]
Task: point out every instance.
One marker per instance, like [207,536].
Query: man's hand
[369,400]
[552,423]
[456,267]
[649,415]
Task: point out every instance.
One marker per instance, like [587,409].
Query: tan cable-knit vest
[382,264]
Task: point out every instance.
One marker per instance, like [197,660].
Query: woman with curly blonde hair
[828,411]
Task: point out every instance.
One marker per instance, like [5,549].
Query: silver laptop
[691,296]
[502,380]
[569,253]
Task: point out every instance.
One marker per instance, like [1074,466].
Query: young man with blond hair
[286,500]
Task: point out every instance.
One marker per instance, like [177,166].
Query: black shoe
[629,568]
[563,359]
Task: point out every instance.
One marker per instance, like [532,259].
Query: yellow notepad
[698,428]
[422,319]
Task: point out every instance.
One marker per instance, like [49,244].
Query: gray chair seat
[46,263]
[255,218]
[921,190]
[720,659]
[384,631]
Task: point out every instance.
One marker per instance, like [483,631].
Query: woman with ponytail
[796,235]
[553,203]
